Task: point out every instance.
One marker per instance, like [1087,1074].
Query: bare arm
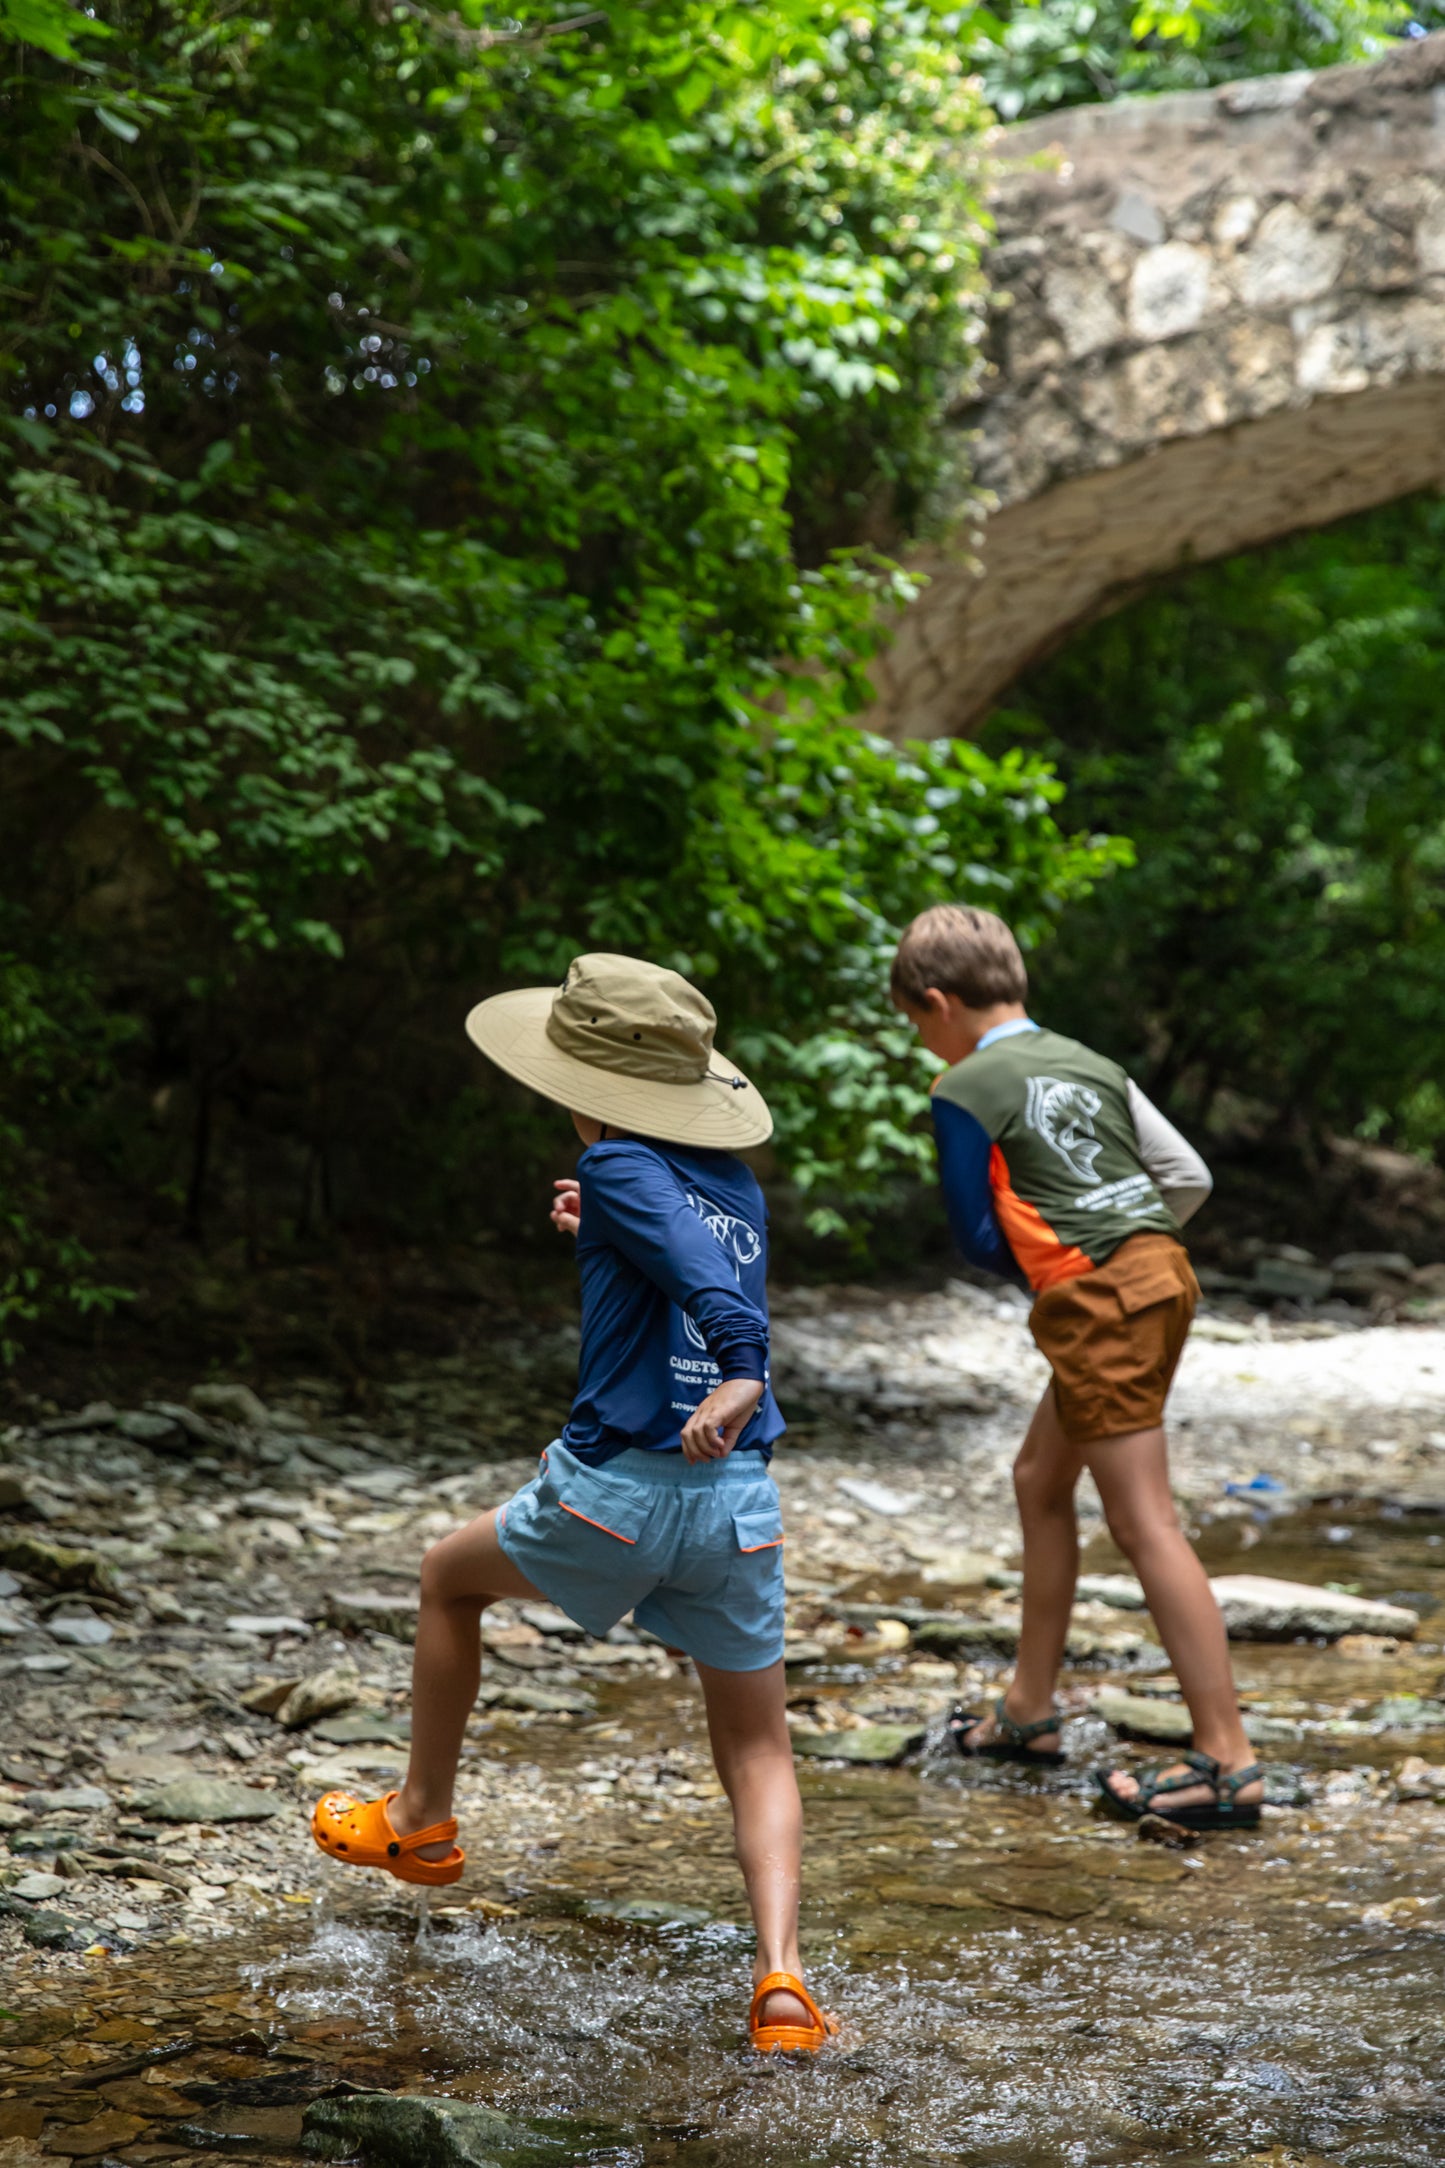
[1179,1174]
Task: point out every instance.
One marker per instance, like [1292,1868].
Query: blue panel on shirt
[964,1154]
[673,1254]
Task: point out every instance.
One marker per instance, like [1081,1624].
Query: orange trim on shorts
[595,1524]
[1042,1256]
[773,1543]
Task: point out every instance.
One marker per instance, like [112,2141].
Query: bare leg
[460,1576]
[1046,1475]
[1132,1473]
[748,1725]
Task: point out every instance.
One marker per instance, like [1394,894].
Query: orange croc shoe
[788,2039]
[359,1834]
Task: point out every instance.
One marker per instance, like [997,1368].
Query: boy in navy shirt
[657,1498]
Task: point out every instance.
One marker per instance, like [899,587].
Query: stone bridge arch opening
[1225,325]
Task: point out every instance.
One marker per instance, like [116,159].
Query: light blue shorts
[693,1551]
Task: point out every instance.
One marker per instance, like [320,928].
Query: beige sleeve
[1179,1173]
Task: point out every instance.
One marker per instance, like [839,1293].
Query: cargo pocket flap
[759,1531]
[1150,1287]
[612,1507]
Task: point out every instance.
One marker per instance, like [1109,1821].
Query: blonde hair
[960,950]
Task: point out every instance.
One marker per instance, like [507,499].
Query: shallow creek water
[1020,1981]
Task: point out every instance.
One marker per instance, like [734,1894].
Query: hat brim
[511,1030]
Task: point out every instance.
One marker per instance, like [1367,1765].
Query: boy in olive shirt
[1059,1174]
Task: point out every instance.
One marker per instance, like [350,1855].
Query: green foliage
[1269,732]
[436,456]
[1037,54]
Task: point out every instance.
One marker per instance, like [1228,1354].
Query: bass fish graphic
[1063,1115]
[742,1244]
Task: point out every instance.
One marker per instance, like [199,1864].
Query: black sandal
[1226,1813]
[1012,1740]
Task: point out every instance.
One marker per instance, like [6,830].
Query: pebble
[266,1629]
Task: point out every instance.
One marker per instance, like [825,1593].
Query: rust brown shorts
[1114,1336]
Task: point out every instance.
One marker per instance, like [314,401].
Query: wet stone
[1139,1716]
[1257,1608]
[646,1912]
[208,1799]
[883,1744]
[232,1403]
[410,2130]
[35,1887]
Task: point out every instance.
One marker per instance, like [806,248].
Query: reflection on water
[1021,1985]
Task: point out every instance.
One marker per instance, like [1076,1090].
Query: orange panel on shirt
[1040,1253]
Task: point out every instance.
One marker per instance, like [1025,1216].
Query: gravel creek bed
[204,1614]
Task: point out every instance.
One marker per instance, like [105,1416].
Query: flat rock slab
[364,1727]
[1257,1608]
[410,2130]
[208,1799]
[881,1744]
[59,1565]
[266,1627]
[69,1799]
[1139,1716]
[376,1610]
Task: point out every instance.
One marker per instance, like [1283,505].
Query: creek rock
[1291,1281]
[1257,1608]
[324,1693]
[71,1799]
[1140,1716]
[1120,1591]
[160,1432]
[646,1912]
[80,1629]
[364,1727]
[1418,1779]
[36,1886]
[266,1628]
[232,1403]
[544,1700]
[883,1745]
[45,1930]
[1409,1712]
[412,2130]
[208,1799]
[58,1565]
[376,1611]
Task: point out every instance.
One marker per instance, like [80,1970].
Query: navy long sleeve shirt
[673,1255]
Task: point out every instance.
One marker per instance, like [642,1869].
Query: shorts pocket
[585,1494]
[1161,1285]
[759,1529]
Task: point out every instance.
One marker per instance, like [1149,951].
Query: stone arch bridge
[1225,324]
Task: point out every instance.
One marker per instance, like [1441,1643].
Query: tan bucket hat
[629,1043]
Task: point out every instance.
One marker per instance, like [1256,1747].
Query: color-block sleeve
[1178,1172]
[631,1201]
[964,1153]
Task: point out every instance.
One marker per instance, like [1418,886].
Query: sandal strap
[794,1986]
[1230,1787]
[1020,1734]
[439,1833]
